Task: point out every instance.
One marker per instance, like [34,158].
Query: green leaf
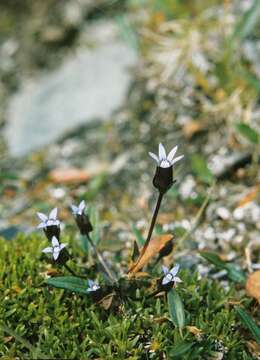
[176,308]
[249,323]
[180,349]
[249,133]
[213,259]
[139,237]
[8,176]
[200,168]
[248,21]
[233,273]
[71,283]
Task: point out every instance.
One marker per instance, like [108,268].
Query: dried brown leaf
[191,128]
[106,301]
[253,285]
[194,330]
[69,175]
[250,196]
[253,347]
[156,244]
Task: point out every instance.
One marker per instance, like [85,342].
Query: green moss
[59,324]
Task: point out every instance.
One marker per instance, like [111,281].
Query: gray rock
[90,84]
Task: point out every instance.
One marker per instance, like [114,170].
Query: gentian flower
[55,249]
[170,275]
[50,224]
[163,178]
[92,286]
[78,210]
[82,219]
[163,160]
[48,220]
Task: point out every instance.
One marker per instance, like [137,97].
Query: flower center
[165,163]
[169,276]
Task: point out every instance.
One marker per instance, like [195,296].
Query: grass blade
[248,21]
[249,323]
[180,349]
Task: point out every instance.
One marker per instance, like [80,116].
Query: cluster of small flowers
[51,227]
[163,180]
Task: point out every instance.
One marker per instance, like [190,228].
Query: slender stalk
[155,214]
[102,260]
[73,272]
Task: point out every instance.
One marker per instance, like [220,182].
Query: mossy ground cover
[41,322]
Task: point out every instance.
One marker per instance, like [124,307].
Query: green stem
[72,272]
[155,214]
[102,261]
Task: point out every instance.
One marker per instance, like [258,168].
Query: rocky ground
[177,103]
[195,83]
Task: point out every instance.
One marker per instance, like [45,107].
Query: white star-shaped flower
[92,286]
[50,220]
[163,160]
[78,210]
[170,275]
[55,249]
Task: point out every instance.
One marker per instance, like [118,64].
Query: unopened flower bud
[81,218]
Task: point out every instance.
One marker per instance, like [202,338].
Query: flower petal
[82,205]
[42,216]
[91,283]
[172,153]
[165,164]
[177,279]
[53,214]
[41,225]
[50,222]
[95,286]
[165,270]
[55,241]
[155,157]
[175,270]
[177,159]
[162,152]
[74,209]
[165,280]
[47,250]
[56,253]
[62,246]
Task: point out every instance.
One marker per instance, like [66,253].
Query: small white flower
[55,249]
[92,286]
[170,275]
[50,220]
[78,210]
[163,160]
